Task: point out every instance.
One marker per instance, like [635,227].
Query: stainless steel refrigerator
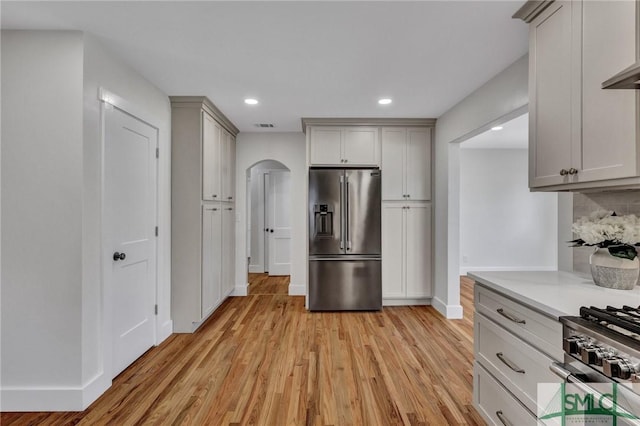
[344,240]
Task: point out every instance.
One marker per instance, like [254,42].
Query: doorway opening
[269,227]
[504,226]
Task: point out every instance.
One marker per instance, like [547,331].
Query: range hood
[628,78]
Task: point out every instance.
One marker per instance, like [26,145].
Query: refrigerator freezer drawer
[345,285]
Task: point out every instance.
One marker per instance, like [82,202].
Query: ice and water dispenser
[323,220]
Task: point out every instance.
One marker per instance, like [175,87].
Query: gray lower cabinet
[514,347]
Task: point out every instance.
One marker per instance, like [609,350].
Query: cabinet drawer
[540,331]
[495,403]
[518,366]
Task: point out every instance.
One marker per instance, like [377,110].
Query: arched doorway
[268,227]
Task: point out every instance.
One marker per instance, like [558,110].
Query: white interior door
[279,235]
[130,243]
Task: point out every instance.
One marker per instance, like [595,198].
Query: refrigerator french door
[344,239]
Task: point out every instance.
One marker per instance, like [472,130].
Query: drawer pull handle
[508,363]
[503,419]
[510,317]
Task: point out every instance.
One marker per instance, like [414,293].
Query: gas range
[607,340]
[602,347]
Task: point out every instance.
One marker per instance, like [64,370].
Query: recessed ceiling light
[496,128]
[251,101]
[384,101]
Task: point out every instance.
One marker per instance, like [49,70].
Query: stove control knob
[626,369]
[573,344]
[617,367]
[593,355]
[610,366]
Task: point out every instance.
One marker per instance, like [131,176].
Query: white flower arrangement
[604,229]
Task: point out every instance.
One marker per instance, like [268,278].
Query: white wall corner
[297,290]
[256,269]
[240,290]
[96,387]
[448,311]
[166,329]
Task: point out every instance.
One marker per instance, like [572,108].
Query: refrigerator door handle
[341,213]
[346,215]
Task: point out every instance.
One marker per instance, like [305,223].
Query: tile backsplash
[622,202]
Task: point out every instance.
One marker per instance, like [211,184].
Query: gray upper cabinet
[406,163]
[582,136]
[344,146]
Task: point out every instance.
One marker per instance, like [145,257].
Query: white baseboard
[53,399]
[94,389]
[406,302]
[297,290]
[256,269]
[165,331]
[465,269]
[448,311]
[240,290]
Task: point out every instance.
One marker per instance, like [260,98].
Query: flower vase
[613,272]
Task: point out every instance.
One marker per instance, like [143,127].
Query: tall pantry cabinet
[406,215]
[202,210]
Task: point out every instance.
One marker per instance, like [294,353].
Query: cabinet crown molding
[204,103]
[386,122]
[531,9]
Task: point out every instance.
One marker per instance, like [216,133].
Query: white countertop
[555,293]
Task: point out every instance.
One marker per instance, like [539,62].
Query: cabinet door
[361,146]
[211,258]
[551,75]
[609,117]
[393,275]
[227,167]
[326,146]
[418,164]
[228,249]
[418,250]
[211,133]
[232,168]
[393,155]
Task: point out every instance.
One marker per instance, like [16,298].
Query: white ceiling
[300,58]
[514,135]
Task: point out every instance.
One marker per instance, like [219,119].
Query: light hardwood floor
[263,359]
[263,284]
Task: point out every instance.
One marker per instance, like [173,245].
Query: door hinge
[157,152]
[156,231]
[156,310]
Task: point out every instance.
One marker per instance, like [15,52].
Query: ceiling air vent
[264,125]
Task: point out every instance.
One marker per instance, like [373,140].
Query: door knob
[119,256]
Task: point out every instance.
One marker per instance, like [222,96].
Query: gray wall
[504,226]
[500,99]
[56,335]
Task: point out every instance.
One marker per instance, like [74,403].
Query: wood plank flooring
[264,284]
[265,360]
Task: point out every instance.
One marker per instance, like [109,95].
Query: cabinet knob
[214,196]
[229,198]
[229,208]
[573,171]
[564,172]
